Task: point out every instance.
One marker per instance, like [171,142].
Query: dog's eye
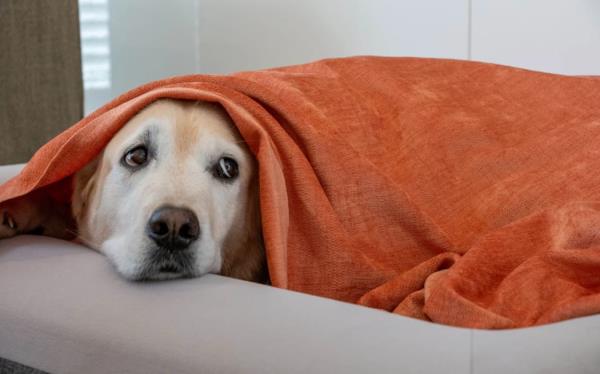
[136,157]
[226,168]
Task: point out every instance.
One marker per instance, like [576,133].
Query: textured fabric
[458,192]
[41,91]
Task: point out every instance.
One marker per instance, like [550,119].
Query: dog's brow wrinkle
[149,134]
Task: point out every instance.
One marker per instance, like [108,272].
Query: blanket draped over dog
[463,193]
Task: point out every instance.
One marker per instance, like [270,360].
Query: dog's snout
[173,228]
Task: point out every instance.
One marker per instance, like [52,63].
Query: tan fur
[185,136]
[244,255]
[86,199]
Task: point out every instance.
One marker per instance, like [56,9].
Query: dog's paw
[8,224]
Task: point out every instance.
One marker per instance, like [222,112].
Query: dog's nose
[173,228]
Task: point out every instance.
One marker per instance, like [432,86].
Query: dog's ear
[84,186]
[245,259]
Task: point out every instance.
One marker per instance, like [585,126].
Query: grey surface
[571,347]
[63,309]
[41,90]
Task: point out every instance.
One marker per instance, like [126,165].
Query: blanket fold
[458,192]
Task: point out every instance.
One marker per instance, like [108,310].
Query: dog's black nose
[173,228]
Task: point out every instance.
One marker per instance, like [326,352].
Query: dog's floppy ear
[245,259]
[84,186]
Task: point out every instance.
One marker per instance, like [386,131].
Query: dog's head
[174,194]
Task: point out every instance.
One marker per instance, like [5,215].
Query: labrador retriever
[174,194]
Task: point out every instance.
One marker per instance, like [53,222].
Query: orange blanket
[462,193]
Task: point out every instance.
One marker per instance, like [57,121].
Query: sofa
[63,309]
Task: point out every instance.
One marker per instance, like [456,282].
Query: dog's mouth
[169,269]
[168,265]
[165,271]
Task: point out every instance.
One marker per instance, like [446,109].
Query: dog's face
[174,194]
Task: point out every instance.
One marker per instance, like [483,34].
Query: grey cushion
[63,309]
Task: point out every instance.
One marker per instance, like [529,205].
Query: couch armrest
[65,310]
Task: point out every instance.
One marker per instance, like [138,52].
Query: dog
[174,194]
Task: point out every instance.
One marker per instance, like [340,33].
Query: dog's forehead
[185,122]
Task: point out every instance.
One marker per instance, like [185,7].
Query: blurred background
[111,46]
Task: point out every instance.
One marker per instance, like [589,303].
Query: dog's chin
[154,263]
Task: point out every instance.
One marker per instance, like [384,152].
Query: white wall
[560,36]
[153,39]
[243,35]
